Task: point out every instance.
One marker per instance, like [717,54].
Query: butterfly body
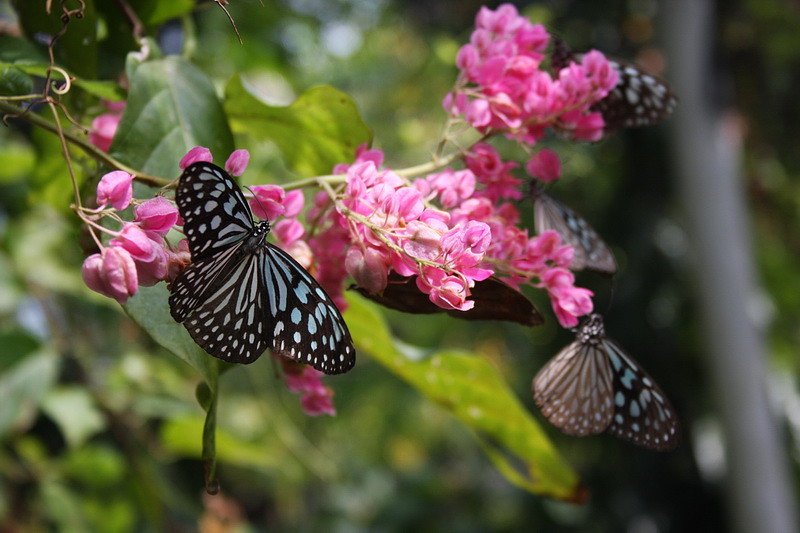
[590,250]
[241,294]
[593,385]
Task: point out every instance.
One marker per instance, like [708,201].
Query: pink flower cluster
[316,399]
[450,229]
[138,254]
[503,87]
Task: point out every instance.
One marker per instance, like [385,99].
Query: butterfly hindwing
[573,390]
[590,250]
[242,295]
[311,329]
[642,413]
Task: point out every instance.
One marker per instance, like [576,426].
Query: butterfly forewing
[242,295]
[214,211]
[590,250]
[573,390]
[642,413]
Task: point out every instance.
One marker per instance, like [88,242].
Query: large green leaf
[470,388]
[319,130]
[171,107]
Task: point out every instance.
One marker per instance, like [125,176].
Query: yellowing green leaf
[317,131]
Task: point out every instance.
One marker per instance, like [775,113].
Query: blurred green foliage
[100,429]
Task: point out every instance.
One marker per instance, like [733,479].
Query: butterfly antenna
[610,296]
[263,209]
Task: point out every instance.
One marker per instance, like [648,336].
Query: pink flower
[136,242]
[111,273]
[267,201]
[317,399]
[369,268]
[177,260]
[157,215]
[115,188]
[570,304]
[103,129]
[237,162]
[447,292]
[293,203]
[545,166]
[198,153]
[288,230]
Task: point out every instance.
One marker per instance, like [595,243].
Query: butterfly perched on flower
[639,99]
[593,385]
[591,251]
[242,295]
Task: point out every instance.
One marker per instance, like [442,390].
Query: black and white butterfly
[591,251]
[242,295]
[639,99]
[593,385]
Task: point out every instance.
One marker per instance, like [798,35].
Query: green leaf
[155,12]
[16,51]
[22,388]
[150,309]
[14,82]
[74,412]
[319,130]
[470,388]
[171,108]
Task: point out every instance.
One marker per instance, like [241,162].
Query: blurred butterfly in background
[593,385]
[591,252]
[242,295]
[639,99]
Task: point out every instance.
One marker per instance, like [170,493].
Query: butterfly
[593,385]
[242,295]
[639,99]
[591,252]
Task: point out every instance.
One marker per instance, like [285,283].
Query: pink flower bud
[198,153]
[317,399]
[368,267]
[151,272]
[136,242]
[237,162]
[178,259]
[545,166]
[157,215]
[111,273]
[115,188]
[103,129]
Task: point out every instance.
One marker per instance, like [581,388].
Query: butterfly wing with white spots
[241,294]
[642,413]
[592,386]
[639,99]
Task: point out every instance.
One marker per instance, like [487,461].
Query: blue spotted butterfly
[242,295]
[639,99]
[593,385]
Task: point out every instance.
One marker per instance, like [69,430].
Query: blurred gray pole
[707,159]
